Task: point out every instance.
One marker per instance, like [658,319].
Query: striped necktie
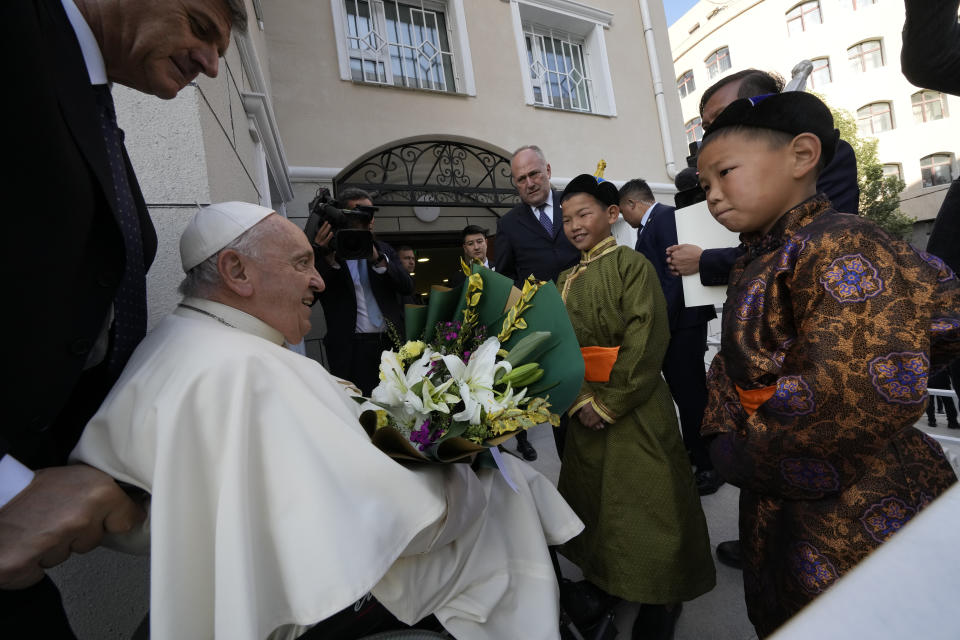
[545,219]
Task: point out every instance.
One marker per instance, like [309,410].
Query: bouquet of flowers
[475,368]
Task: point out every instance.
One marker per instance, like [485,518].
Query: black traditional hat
[602,190]
[792,112]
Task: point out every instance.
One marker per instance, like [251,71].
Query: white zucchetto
[216,226]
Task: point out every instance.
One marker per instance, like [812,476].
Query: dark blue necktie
[130,303]
[545,219]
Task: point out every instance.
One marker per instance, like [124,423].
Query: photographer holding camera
[364,284]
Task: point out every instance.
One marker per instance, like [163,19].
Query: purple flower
[466,356]
[422,435]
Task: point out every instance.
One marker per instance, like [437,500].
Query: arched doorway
[428,189]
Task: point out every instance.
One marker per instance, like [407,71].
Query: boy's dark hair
[778,119]
[634,188]
[602,191]
[472,230]
[755,83]
[406,247]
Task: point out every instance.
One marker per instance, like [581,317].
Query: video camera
[351,239]
[688,183]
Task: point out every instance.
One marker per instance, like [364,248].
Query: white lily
[393,380]
[509,399]
[437,398]
[475,379]
[395,385]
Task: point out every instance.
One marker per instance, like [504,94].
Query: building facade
[423,101]
[854,46]
[419,101]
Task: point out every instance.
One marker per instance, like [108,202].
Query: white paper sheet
[696,226]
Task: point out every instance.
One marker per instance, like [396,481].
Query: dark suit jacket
[340,301]
[930,56]
[62,250]
[659,233]
[524,247]
[458,277]
[838,180]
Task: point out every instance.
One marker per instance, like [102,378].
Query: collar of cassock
[202,309]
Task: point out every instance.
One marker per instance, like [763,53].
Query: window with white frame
[418,44]
[874,118]
[557,71]
[563,56]
[821,73]
[866,55]
[803,16]
[928,105]
[718,62]
[685,85]
[893,170]
[936,169]
[694,130]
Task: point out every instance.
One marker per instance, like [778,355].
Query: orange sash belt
[598,362]
[751,399]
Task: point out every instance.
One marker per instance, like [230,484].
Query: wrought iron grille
[406,44]
[437,173]
[557,70]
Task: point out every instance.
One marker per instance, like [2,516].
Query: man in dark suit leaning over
[76,264]
[683,366]
[530,238]
[360,298]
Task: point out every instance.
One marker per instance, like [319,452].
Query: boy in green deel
[625,471]
[830,330]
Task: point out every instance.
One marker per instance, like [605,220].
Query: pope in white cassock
[270,509]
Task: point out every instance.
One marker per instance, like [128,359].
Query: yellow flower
[381,418]
[411,350]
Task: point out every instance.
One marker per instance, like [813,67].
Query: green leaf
[527,348]
[417,388]
[456,430]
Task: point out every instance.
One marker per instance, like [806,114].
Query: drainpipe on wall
[654,61]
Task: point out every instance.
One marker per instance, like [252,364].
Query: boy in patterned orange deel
[830,330]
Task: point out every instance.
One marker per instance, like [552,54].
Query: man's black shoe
[708,481]
[526,449]
[953,424]
[932,421]
[730,553]
[656,621]
[585,602]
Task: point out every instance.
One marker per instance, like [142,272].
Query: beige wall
[329,122]
[756,34]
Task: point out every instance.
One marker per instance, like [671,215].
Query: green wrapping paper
[560,359]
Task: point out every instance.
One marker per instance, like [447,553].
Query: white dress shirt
[547,207]
[646,216]
[363,318]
